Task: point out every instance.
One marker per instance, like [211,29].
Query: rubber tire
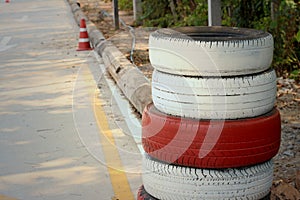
[210,51]
[171,182]
[144,195]
[214,98]
[210,144]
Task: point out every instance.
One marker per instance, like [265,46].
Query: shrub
[279,17]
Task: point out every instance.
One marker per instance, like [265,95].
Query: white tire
[170,182]
[214,98]
[210,51]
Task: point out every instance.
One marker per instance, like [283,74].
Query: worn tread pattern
[171,182]
[144,195]
[214,98]
[210,143]
[210,51]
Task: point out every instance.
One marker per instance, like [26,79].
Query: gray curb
[132,82]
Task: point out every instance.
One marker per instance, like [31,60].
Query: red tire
[210,144]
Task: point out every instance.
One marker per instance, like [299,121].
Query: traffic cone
[84,41]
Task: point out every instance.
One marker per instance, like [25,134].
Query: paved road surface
[60,136]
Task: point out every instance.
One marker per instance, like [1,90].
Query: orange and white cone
[84,41]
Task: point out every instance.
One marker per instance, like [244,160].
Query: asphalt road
[61,136]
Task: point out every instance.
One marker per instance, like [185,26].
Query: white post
[214,13]
[137,10]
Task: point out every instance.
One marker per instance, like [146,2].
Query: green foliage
[297,36]
[197,17]
[125,4]
[156,13]
[285,27]
[295,75]
[159,13]
[279,17]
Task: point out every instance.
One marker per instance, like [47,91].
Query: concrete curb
[132,82]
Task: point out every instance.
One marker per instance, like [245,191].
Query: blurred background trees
[279,17]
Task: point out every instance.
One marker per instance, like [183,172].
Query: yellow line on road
[2,197]
[114,165]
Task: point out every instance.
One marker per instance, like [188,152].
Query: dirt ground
[287,162]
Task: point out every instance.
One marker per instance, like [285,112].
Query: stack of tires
[212,130]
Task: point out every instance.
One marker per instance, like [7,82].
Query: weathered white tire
[210,51]
[214,98]
[170,182]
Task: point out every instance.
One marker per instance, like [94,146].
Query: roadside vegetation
[279,17]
